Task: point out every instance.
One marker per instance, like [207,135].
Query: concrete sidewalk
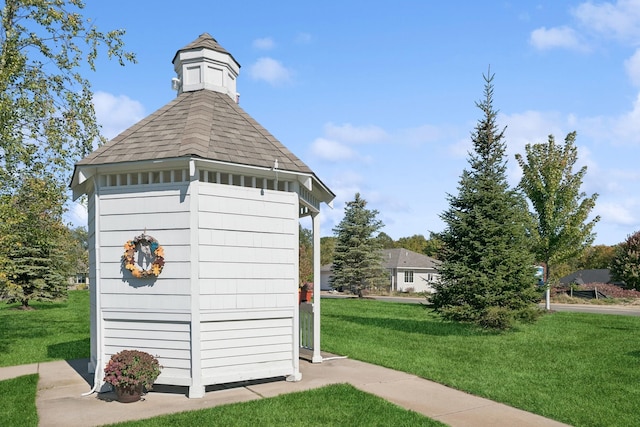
[61,385]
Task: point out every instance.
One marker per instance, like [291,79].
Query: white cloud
[265,43]
[627,126]
[620,20]
[116,113]
[423,134]
[632,66]
[616,213]
[271,71]
[558,37]
[303,38]
[532,127]
[357,134]
[331,150]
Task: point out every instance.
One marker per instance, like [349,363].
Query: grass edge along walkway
[576,368]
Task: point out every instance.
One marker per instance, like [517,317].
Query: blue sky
[379,97]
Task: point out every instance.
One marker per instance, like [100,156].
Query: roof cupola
[204,64]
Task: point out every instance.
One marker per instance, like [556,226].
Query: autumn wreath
[150,248]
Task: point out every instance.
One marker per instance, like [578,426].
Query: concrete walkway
[60,401]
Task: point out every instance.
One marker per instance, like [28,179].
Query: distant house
[408,270]
[581,277]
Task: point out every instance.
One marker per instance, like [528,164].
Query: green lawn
[582,369]
[53,331]
[335,405]
[18,401]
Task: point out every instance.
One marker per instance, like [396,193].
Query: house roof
[580,277]
[205,124]
[400,258]
[404,258]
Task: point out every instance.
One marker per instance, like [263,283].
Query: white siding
[161,212]
[248,277]
[169,341]
[421,282]
[245,243]
[248,247]
[246,349]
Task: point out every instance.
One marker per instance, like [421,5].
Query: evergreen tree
[357,262]
[487,268]
[34,243]
[626,264]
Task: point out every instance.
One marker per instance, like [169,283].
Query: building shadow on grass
[69,350]
[433,327]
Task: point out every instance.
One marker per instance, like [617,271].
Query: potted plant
[130,372]
[306,292]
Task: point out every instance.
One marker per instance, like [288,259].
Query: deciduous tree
[416,243]
[47,123]
[561,210]
[46,107]
[305,261]
[487,267]
[327,246]
[357,262]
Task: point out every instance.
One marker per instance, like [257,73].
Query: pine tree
[357,262]
[487,270]
[34,243]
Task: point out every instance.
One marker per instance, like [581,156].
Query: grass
[581,369]
[53,331]
[335,405]
[18,401]
[60,331]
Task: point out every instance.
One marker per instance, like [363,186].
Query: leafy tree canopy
[561,209]
[46,106]
[626,264]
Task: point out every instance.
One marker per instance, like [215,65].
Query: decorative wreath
[155,249]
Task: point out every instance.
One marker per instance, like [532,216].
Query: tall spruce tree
[357,261]
[487,266]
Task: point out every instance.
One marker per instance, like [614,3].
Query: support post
[316,358]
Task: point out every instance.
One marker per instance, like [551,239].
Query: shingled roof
[205,124]
[205,41]
[404,258]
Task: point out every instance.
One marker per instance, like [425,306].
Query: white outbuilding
[193,235]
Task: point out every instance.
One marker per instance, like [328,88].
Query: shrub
[132,368]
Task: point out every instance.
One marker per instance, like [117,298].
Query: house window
[408,277]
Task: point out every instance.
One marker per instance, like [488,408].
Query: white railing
[306,325]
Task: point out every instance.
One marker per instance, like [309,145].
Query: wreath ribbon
[129,261]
